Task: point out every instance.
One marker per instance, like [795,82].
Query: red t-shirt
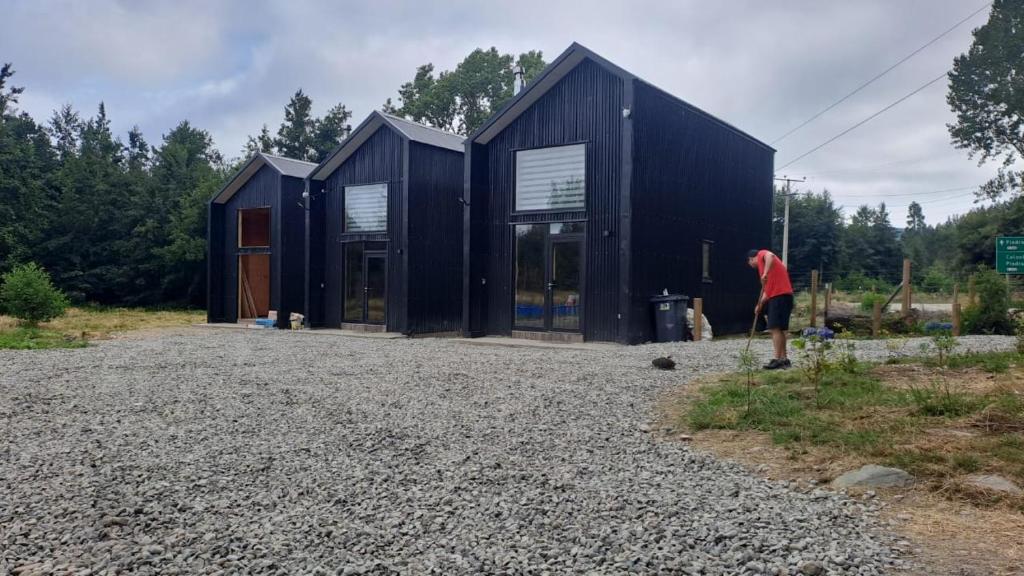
[777,282]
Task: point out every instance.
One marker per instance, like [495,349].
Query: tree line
[123,222]
[867,246]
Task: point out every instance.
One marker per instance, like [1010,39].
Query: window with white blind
[551,178]
[366,208]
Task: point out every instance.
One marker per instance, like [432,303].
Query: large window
[366,208]
[551,178]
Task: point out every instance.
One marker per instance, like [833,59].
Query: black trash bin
[670,318]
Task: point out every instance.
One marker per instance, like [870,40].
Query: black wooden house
[385,230]
[256,242]
[592,191]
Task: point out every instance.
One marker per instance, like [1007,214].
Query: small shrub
[939,400]
[814,345]
[895,350]
[748,364]
[846,355]
[991,313]
[28,295]
[944,343]
[936,280]
[867,301]
[857,281]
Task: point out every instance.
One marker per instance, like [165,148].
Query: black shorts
[777,310]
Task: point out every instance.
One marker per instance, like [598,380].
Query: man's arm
[769,261]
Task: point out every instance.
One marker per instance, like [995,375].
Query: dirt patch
[906,376]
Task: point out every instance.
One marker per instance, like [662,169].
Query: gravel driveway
[207,451]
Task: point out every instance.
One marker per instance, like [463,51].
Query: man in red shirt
[776,301]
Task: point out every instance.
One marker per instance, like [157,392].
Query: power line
[902,194]
[862,122]
[883,73]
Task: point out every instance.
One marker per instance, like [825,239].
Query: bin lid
[669,298]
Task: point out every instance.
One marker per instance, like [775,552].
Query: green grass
[991,362]
[37,339]
[90,323]
[858,413]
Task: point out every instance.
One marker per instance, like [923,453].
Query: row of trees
[124,222]
[868,245]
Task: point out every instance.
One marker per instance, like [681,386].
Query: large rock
[873,476]
[993,483]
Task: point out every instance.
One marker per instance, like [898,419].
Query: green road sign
[1010,254]
[1010,262]
[1010,244]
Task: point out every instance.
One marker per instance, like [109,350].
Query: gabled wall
[584,106]
[695,179]
[379,159]
[262,190]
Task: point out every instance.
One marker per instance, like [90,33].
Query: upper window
[254,228]
[551,178]
[366,208]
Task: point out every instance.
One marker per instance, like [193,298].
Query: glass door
[549,277]
[565,286]
[365,285]
[375,271]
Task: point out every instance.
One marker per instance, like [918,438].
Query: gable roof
[407,129]
[560,67]
[283,166]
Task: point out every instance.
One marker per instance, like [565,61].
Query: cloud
[230,67]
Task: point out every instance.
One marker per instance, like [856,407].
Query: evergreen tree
[262,143]
[330,131]
[8,96]
[295,136]
[27,197]
[915,218]
[138,151]
[65,128]
[815,225]
[187,171]
[87,247]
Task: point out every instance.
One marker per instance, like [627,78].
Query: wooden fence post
[814,297]
[698,318]
[956,318]
[876,319]
[906,287]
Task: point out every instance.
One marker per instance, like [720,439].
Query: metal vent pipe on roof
[517,85]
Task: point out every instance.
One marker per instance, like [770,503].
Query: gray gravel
[215,452]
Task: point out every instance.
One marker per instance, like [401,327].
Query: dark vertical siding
[435,239]
[695,179]
[215,311]
[379,159]
[263,189]
[292,276]
[476,253]
[585,106]
[317,249]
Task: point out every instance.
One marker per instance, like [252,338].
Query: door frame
[549,241]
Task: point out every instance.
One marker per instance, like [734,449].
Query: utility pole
[785,221]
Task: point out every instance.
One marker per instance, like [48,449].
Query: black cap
[752,253]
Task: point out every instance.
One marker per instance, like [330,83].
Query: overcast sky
[230,66]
